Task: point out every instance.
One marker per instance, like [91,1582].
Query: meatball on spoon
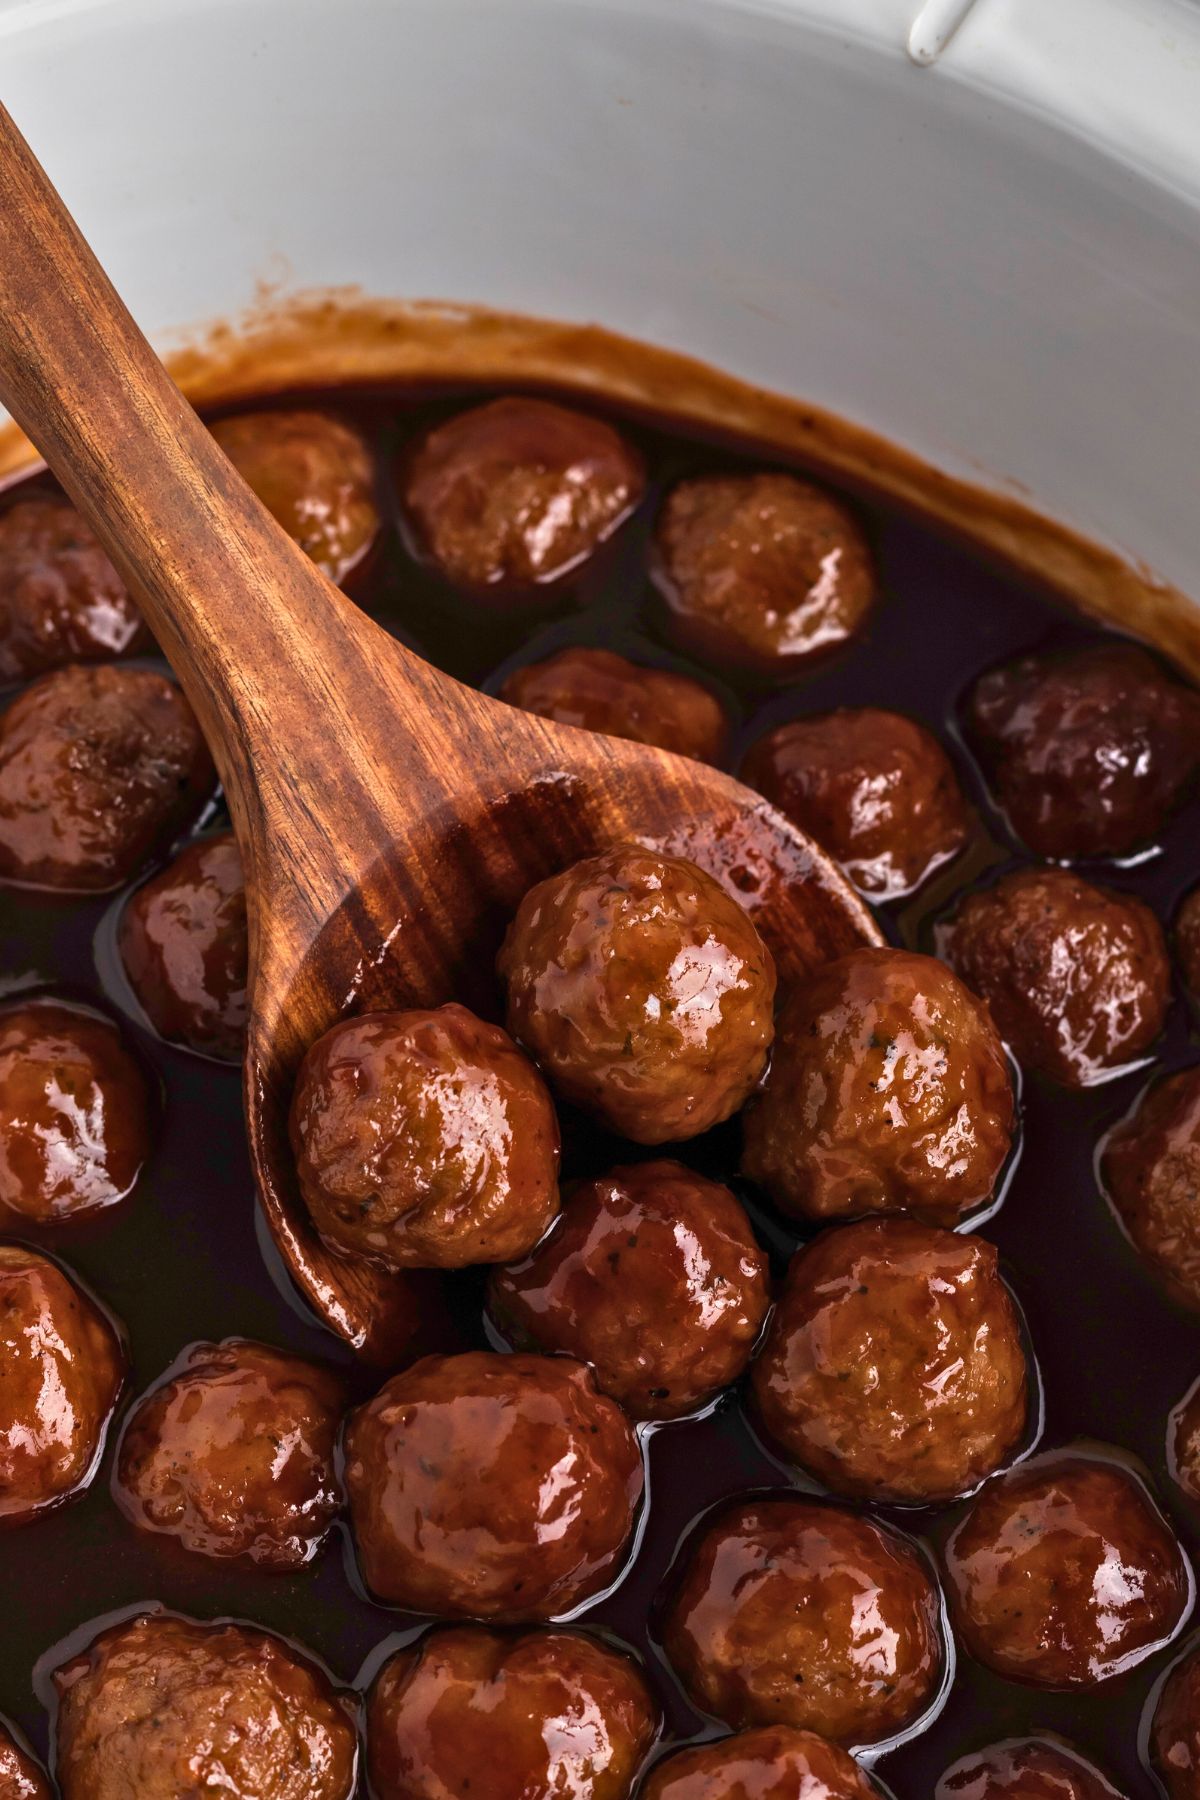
[389,819]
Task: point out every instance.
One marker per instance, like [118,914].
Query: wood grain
[388,818]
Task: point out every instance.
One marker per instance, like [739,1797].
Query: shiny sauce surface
[183,1259]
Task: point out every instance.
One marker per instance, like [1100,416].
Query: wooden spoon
[389,819]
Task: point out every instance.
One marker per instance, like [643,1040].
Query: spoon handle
[260,641]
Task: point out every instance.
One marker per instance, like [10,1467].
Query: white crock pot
[991,255]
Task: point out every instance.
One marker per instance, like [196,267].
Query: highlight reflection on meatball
[601,691]
[97,767]
[183,941]
[1064,1573]
[425,1139]
[1150,1168]
[1183,1442]
[161,1707]
[20,1777]
[492,1487]
[873,788]
[1024,1770]
[893,1368]
[761,572]
[74,1113]
[314,474]
[1175,1730]
[518,491]
[794,1613]
[775,1763]
[642,990]
[63,1368]
[540,1716]
[653,1276]
[61,600]
[1076,976]
[234,1455]
[888,1091]
[1089,751]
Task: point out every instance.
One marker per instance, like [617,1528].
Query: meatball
[1183,1442]
[184,943]
[601,691]
[1088,752]
[1150,1167]
[774,1763]
[893,1368]
[888,1091]
[491,1487]
[61,600]
[425,1139]
[1175,1730]
[643,990]
[1076,976]
[761,572]
[20,1777]
[62,1367]
[97,767]
[162,1707]
[546,1714]
[1029,1770]
[315,475]
[74,1113]
[654,1277]
[795,1613]
[1187,942]
[873,788]
[518,492]
[1064,1572]
[233,1455]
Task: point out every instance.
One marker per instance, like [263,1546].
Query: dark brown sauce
[183,1259]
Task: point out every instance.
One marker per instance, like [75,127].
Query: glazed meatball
[233,1455]
[1064,1572]
[1175,1730]
[62,1368]
[314,475]
[775,1763]
[1183,1442]
[653,1276]
[61,600]
[761,572]
[1150,1167]
[425,1139]
[97,767]
[795,1613]
[546,1714]
[893,1368]
[74,1113]
[601,691]
[518,492]
[873,788]
[643,991]
[20,1777]
[183,941]
[888,1091]
[491,1487]
[1187,942]
[1029,1770]
[1076,977]
[1088,752]
[161,1707]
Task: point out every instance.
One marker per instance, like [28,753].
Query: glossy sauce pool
[183,1260]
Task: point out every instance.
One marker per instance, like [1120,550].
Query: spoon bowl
[389,819]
